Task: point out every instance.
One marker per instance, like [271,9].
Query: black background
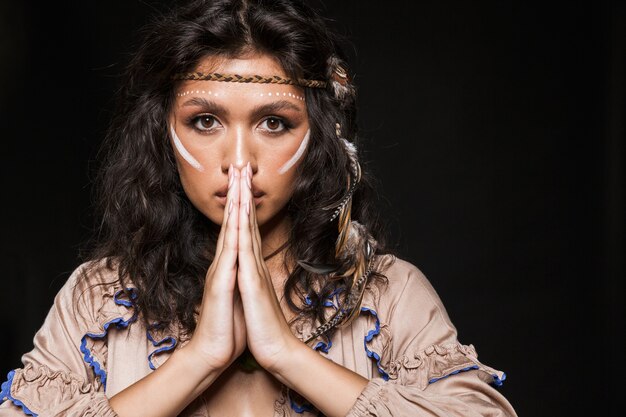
[496,129]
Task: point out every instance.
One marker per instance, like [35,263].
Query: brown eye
[205,122]
[273,124]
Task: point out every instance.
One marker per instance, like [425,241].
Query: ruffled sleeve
[422,368]
[56,379]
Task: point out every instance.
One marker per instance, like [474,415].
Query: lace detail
[5,394]
[279,404]
[368,338]
[27,383]
[169,343]
[437,362]
[89,355]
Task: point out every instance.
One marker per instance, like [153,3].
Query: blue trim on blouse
[328,302]
[497,381]
[119,323]
[320,346]
[300,408]
[5,392]
[323,347]
[368,338]
[169,339]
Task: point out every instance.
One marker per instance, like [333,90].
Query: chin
[270,218]
[213,212]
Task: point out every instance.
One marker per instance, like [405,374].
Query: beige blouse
[92,346]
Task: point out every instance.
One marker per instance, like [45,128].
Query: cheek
[199,187]
[291,157]
[195,185]
[183,152]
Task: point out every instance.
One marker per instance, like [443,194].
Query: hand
[268,334]
[220,335]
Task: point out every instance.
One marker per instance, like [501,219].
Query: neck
[274,234]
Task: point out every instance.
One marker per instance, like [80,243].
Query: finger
[226,263]
[247,261]
[256,241]
[256,234]
[254,231]
[231,196]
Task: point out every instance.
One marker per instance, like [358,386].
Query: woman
[239,251]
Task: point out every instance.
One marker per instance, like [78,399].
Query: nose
[238,150]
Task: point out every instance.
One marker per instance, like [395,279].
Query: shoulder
[405,297]
[92,289]
[403,282]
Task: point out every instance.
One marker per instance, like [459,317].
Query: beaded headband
[255,79]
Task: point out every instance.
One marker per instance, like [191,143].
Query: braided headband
[256,79]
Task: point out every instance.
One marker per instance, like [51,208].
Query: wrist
[196,366]
[291,362]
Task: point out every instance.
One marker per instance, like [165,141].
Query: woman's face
[215,124]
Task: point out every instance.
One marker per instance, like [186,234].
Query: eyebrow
[209,105]
[276,106]
[213,107]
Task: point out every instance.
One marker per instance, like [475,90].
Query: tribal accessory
[254,79]
[209,92]
[364,247]
[355,170]
[354,246]
[339,81]
[247,362]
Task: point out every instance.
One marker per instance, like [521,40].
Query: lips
[223,192]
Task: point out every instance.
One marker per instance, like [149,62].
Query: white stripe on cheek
[184,152]
[296,156]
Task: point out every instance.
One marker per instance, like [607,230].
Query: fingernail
[248,207]
[249,176]
[230,206]
[230,175]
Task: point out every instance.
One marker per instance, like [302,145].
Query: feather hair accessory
[340,83]
[360,248]
[355,171]
[354,247]
[342,209]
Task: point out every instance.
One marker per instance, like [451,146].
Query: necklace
[247,363]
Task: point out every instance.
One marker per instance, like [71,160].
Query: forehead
[253,64]
[261,64]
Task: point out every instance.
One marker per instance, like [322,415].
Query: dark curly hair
[150,232]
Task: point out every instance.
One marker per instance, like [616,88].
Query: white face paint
[209,92]
[296,156]
[184,152]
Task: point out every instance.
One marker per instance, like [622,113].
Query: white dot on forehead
[211,93]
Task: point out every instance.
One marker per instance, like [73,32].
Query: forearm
[330,387]
[166,391]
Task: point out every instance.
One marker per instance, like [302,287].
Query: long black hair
[150,233]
